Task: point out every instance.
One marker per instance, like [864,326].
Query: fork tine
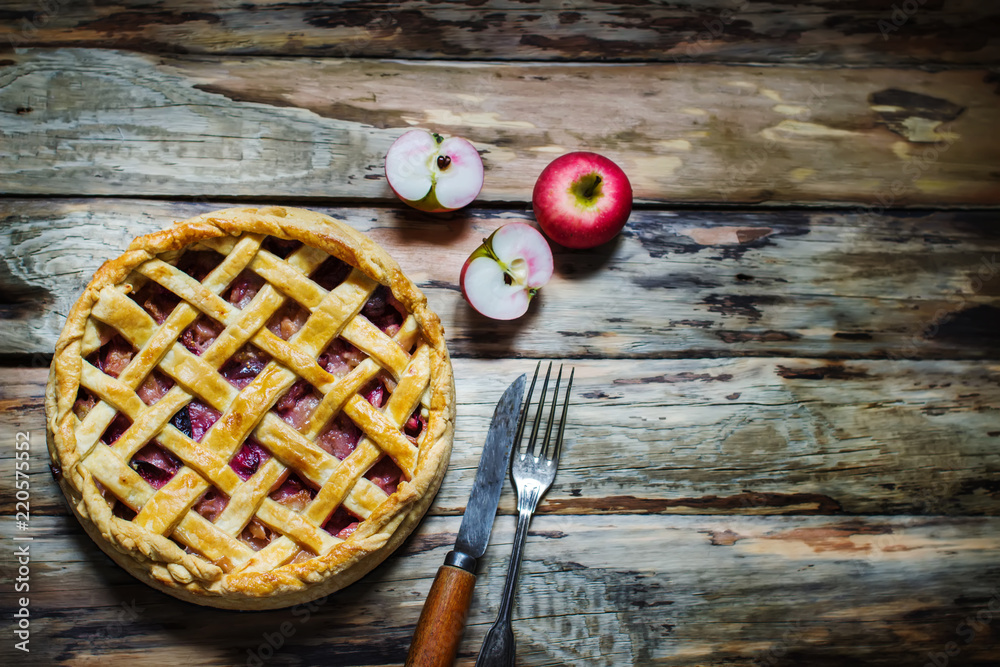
[538,413]
[524,412]
[562,420]
[552,416]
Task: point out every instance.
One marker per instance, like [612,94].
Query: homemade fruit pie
[252,408]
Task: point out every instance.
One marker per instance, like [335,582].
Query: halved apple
[503,274]
[432,173]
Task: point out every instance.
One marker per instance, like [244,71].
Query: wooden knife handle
[442,621]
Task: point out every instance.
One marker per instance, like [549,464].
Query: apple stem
[589,192]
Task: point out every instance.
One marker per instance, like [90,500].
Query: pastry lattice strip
[169,510]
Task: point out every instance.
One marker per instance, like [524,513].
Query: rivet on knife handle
[442,621]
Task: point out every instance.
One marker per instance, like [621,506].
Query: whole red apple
[582,200]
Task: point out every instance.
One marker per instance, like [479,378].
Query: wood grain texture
[441,625]
[866,33]
[87,122]
[676,284]
[726,437]
[601,591]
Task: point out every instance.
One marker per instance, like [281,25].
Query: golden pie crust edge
[155,559]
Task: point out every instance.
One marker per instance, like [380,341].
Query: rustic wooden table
[783,446]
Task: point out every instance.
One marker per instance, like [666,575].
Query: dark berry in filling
[415,425]
[116,428]
[199,263]
[248,460]
[123,511]
[383,310]
[330,273]
[194,420]
[244,366]
[280,247]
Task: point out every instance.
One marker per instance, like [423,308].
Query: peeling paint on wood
[811,33]
[111,122]
[709,436]
[818,284]
[657,590]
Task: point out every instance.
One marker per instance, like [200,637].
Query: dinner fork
[532,476]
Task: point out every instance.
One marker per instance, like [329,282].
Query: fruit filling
[385,474]
[256,535]
[244,366]
[211,504]
[297,404]
[375,393]
[113,355]
[293,493]
[85,402]
[280,247]
[156,300]
[244,289]
[199,263]
[122,511]
[201,334]
[194,419]
[116,428]
[154,387]
[340,437]
[248,460]
[341,523]
[414,426]
[155,465]
[287,320]
[384,311]
[330,273]
[340,357]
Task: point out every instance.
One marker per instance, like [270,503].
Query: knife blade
[442,620]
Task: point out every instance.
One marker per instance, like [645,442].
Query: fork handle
[498,647]
[442,621]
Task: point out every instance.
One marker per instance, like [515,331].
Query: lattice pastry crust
[241,420]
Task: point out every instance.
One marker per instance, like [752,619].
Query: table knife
[442,621]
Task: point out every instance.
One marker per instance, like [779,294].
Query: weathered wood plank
[746,436]
[83,122]
[869,33]
[642,590]
[678,283]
